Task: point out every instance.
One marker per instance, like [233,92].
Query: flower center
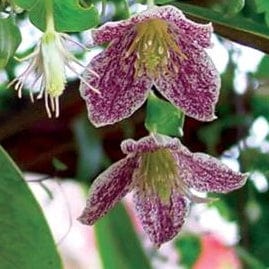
[158,173]
[152,45]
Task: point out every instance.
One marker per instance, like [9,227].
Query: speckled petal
[195,33]
[205,173]
[194,88]
[161,221]
[198,33]
[110,31]
[108,189]
[121,93]
[149,144]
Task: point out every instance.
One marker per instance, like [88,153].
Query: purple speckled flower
[162,172]
[156,47]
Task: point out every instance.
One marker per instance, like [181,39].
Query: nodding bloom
[162,173]
[157,47]
[47,64]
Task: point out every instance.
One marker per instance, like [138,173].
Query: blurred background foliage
[70,147]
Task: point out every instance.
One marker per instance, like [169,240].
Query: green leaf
[238,28]
[26,241]
[189,247]
[228,8]
[10,40]
[90,149]
[121,9]
[263,7]
[164,118]
[69,16]
[117,241]
[262,71]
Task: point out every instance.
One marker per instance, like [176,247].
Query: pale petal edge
[206,173]
[149,143]
[107,189]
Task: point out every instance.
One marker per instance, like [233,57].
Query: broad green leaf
[90,149]
[263,7]
[237,28]
[117,242]
[164,118]
[26,241]
[10,39]
[189,247]
[69,16]
[228,8]
[25,4]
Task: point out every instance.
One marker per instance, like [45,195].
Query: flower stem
[150,3]
[50,27]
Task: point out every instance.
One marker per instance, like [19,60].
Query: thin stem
[150,3]
[50,27]
[103,12]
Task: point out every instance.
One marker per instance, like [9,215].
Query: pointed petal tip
[82,219]
[244,178]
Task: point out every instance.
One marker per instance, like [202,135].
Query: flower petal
[192,84]
[205,173]
[196,33]
[121,92]
[161,221]
[108,189]
[110,31]
[149,143]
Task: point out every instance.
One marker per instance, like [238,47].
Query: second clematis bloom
[47,66]
[157,47]
[162,172]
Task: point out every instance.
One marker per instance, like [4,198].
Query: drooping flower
[162,172]
[156,47]
[47,65]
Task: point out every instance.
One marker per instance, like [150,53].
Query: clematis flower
[157,47]
[47,66]
[163,173]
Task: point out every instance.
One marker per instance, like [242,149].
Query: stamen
[31,96]
[152,45]
[160,50]
[52,103]
[57,110]
[47,105]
